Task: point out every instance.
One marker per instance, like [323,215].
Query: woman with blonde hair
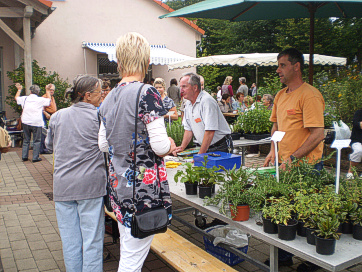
[168,103]
[226,87]
[143,172]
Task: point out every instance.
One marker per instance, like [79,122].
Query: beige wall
[57,44]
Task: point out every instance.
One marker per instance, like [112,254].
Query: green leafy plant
[208,176]
[356,217]
[328,226]
[284,211]
[187,175]
[41,78]
[256,121]
[176,131]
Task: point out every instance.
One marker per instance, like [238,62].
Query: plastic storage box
[218,158]
[223,254]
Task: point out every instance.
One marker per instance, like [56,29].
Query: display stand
[277,137]
[339,144]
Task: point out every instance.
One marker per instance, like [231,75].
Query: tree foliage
[41,78]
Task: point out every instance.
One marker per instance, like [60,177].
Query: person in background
[218,95]
[268,101]
[239,104]
[203,119]
[356,143]
[32,118]
[106,88]
[47,113]
[174,92]
[202,81]
[117,135]
[248,101]
[152,81]
[224,104]
[168,103]
[252,90]
[226,87]
[79,176]
[243,87]
[297,111]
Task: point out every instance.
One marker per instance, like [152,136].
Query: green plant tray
[265,170]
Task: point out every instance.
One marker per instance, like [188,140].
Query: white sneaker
[350,176]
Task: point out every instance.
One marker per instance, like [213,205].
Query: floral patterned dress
[152,189]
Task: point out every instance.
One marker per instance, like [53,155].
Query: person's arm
[231,90]
[222,106]
[160,143]
[208,136]
[47,115]
[174,116]
[47,92]
[314,139]
[102,139]
[19,87]
[185,141]
[270,158]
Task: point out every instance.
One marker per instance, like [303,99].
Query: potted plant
[326,234]
[303,211]
[208,177]
[356,218]
[269,212]
[348,207]
[234,193]
[287,226]
[175,130]
[255,123]
[188,176]
[236,130]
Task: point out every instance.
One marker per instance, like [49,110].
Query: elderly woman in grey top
[79,177]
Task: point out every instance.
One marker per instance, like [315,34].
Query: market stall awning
[255,59]
[160,55]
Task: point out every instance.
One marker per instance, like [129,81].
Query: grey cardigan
[79,170]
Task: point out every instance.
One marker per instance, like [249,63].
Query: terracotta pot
[243,213]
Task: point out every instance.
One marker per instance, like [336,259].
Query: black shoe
[46,152]
[37,160]
[307,267]
[25,159]
[287,262]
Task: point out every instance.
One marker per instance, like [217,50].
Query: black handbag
[152,221]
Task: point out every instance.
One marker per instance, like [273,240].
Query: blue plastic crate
[225,159]
[223,254]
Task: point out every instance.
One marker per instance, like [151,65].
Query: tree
[41,78]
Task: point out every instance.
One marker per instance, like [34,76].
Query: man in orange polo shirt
[298,111]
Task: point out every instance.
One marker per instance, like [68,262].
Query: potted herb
[347,208]
[255,123]
[236,130]
[326,234]
[356,218]
[303,212]
[175,130]
[208,177]
[188,176]
[287,226]
[234,193]
[268,214]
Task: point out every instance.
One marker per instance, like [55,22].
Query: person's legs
[91,214]
[26,141]
[70,233]
[355,158]
[133,250]
[36,142]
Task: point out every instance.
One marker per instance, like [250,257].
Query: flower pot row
[204,191]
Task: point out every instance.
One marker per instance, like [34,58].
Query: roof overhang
[160,55]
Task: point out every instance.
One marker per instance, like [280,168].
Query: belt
[219,142]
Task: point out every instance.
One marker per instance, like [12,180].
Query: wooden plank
[11,12]
[28,69]
[184,255]
[38,6]
[11,34]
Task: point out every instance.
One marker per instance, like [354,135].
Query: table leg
[243,150]
[273,258]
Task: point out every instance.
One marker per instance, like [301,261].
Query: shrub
[41,78]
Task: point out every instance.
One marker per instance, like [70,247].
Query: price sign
[341,143]
[278,136]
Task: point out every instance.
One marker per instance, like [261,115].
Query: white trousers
[356,156]
[133,251]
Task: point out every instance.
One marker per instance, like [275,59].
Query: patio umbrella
[246,10]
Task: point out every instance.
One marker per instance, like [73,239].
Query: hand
[269,159]
[18,86]
[177,150]
[173,145]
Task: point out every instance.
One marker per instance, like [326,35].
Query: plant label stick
[339,144]
[277,137]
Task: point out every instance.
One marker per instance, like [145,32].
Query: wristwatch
[292,158]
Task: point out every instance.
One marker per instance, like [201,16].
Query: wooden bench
[183,255]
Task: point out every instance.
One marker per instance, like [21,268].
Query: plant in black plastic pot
[208,177]
[287,226]
[326,234]
[255,123]
[348,207]
[269,213]
[356,218]
[189,176]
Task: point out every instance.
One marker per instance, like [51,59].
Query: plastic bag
[342,130]
[228,235]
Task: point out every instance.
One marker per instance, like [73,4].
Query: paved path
[29,236]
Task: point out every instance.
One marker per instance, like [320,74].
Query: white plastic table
[348,250]
[243,143]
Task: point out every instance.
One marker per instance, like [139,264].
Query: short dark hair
[173,81]
[225,96]
[238,95]
[294,56]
